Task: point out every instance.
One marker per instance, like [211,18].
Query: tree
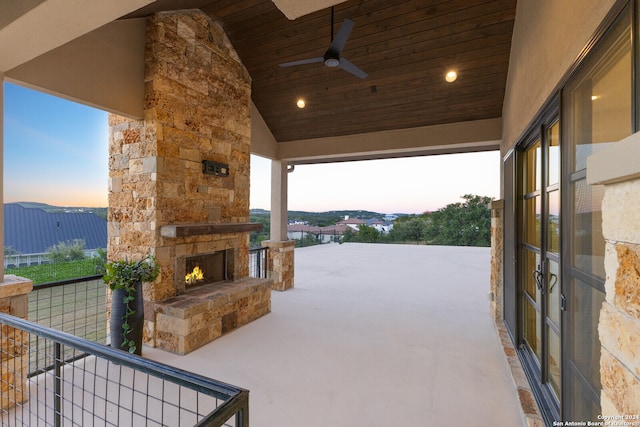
[67,251]
[368,234]
[307,240]
[349,235]
[412,229]
[256,237]
[461,224]
[8,250]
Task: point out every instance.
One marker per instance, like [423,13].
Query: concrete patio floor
[371,335]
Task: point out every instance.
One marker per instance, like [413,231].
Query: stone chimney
[197,108]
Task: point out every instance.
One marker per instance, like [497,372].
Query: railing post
[264,255]
[258,258]
[242,416]
[57,394]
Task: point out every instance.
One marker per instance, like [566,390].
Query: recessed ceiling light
[451,76]
[300,103]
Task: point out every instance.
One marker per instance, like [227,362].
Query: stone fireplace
[179,184]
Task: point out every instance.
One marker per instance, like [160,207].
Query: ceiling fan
[332,56]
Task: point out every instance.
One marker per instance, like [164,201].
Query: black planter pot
[136,320]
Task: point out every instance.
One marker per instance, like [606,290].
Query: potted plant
[125,279]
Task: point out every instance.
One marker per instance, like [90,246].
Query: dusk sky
[55,152]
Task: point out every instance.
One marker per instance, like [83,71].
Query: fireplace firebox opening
[201,269]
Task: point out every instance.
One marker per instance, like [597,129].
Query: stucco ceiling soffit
[52,23]
[293,9]
[12,10]
[103,68]
[472,136]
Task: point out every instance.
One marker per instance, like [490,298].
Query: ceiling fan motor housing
[331,58]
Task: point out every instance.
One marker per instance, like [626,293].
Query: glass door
[598,110]
[541,298]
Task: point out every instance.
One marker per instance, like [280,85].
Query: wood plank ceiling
[406,47]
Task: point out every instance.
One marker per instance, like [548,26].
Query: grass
[55,272]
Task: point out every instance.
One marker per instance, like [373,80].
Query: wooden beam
[188,230]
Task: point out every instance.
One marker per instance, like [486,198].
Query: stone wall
[197,107]
[619,326]
[497,247]
[280,263]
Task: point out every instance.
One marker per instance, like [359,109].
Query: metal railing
[78,307]
[258,263]
[78,382]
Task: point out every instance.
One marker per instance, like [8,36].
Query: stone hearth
[206,312]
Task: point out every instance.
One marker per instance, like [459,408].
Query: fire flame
[195,275]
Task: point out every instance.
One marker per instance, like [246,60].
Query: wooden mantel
[187,230]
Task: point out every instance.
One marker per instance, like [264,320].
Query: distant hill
[101,212]
[351,213]
[323,219]
[343,213]
[35,205]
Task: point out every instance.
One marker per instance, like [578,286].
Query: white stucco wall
[547,39]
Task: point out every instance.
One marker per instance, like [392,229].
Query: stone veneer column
[280,263]
[197,107]
[14,348]
[280,256]
[619,327]
[2,172]
[497,245]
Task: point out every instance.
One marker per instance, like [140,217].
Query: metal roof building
[32,230]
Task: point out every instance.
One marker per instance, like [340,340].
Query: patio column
[14,299]
[2,173]
[619,326]
[497,246]
[279,186]
[280,255]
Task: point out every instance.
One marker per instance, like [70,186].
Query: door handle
[554,280]
[538,276]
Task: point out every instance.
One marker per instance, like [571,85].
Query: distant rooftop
[32,230]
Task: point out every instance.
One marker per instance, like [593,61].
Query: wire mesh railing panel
[258,263]
[78,308]
[76,382]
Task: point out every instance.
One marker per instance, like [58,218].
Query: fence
[48,272]
[77,382]
[77,307]
[26,260]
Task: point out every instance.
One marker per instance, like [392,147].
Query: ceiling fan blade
[302,62]
[338,42]
[348,66]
